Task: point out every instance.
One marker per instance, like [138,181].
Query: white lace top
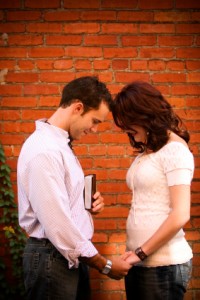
[149,177]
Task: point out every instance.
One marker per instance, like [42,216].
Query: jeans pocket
[30,267]
[185,271]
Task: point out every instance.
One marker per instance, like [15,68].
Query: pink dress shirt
[50,193]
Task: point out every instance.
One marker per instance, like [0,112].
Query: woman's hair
[139,103]
[89,90]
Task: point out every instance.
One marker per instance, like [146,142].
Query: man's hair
[89,90]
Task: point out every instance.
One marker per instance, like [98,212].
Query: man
[51,206]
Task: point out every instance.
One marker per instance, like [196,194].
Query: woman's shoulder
[176,154]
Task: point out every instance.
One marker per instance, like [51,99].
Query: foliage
[12,238]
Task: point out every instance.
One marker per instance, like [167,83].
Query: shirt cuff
[84,249]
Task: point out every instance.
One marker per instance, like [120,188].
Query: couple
[59,251]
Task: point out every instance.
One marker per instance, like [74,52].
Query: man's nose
[94,128]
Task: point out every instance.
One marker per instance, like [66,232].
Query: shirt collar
[59,132]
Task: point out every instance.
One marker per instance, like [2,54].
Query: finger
[96,195]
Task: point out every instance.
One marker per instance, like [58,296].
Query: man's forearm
[98,261]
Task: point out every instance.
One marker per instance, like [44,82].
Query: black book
[90,189]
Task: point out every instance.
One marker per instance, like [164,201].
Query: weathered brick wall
[45,44]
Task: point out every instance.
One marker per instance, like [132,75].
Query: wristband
[140,253]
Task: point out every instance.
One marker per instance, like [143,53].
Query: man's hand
[119,269]
[98,203]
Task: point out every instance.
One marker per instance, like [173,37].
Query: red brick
[25,40]
[114,212]
[63,39]
[185,4]
[44,27]
[10,4]
[49,101]
[21,77]
[35,114]
[63,64]
[10,114]
[175,65]
[8,90]
[62,16]
[100,238]
[157,28]
[23,15]
[139,65]
[186,89]
[175,40]
[26,64]
[133,16]
[120,52]
[44,64]
[97,150]
[57,76]
[194,77]
[156,4]
[41,89]
[119,4]
[12,27]
[188,28]
[157,53]
[188,53]
[113,138]
[156,65]
[11,139]
[98,15]
[8,64]
[13,52]
[102,64]
[128,77]
[42,4]
[19,101]
[83,52]
[100,40]
[169,77]
[46,52]
[81,4]
[81,28]
[170,16]
[105,225]
[119,28]
[139,40]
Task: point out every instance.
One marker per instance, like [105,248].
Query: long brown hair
[139,103]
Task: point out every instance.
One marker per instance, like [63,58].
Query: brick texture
[50,43]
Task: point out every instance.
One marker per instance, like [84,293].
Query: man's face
[88,122]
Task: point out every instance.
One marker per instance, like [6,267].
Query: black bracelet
[140,253]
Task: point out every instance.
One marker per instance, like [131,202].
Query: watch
[140,253]
[107,267]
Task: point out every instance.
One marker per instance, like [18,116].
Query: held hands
[98,203]
[120,268]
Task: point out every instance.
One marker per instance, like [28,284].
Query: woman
[160,178]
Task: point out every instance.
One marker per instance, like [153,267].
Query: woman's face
[139,133]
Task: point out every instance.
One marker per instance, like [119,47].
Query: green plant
[12,238]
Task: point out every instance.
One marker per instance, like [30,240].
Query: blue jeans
[48,277]
[159,283]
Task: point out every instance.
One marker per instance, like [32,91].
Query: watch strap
[140,253]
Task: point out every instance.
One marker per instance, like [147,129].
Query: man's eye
[95,121]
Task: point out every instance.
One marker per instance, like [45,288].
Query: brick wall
[44,44]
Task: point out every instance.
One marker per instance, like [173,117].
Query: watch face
[107,267]
[106,270]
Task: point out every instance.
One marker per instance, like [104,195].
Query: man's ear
[78,107]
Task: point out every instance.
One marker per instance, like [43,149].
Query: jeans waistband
[37,241]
